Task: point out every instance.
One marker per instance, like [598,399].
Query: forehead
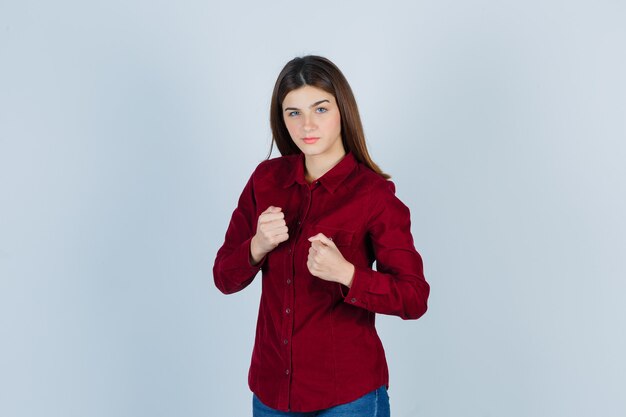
[306,95]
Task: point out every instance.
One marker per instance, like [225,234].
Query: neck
[318,165]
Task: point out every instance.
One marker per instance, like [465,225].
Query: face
[314,123]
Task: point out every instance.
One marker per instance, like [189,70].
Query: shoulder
[375,183]
[275,168]
[383,203]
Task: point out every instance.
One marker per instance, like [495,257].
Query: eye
[321,110]
[293,113]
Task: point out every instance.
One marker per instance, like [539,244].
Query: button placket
[290,286]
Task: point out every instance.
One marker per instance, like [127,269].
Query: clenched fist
[325,261]
[270,232]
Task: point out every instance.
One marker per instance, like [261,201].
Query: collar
[330,180]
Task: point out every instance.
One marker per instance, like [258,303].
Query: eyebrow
[312,105]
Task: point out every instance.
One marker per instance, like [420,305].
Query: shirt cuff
[357,293]
[259,265]
[239,260]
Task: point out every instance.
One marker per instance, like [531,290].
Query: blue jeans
[372,404]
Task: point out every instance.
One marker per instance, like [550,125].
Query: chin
[312,152]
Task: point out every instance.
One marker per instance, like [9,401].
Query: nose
[309,124]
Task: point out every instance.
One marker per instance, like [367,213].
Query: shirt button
[285,341]
[286,371]
[288,281]
[289,250]
[287,311]
[299,222]
[353,300]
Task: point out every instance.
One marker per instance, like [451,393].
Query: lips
[310,141]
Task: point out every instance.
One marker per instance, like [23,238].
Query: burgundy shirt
[316,344]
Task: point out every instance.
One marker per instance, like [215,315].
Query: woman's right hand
[270,232]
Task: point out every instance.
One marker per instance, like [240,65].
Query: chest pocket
[341,237]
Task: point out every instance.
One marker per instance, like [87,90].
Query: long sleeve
[232,270]
[398,286]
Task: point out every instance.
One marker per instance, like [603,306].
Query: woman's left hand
[325,261]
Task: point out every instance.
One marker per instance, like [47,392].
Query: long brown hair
[319,72]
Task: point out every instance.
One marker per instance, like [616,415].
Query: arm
[233,269]
[398,287]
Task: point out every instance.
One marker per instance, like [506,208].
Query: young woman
[314,221]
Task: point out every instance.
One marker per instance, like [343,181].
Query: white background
[129,128]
